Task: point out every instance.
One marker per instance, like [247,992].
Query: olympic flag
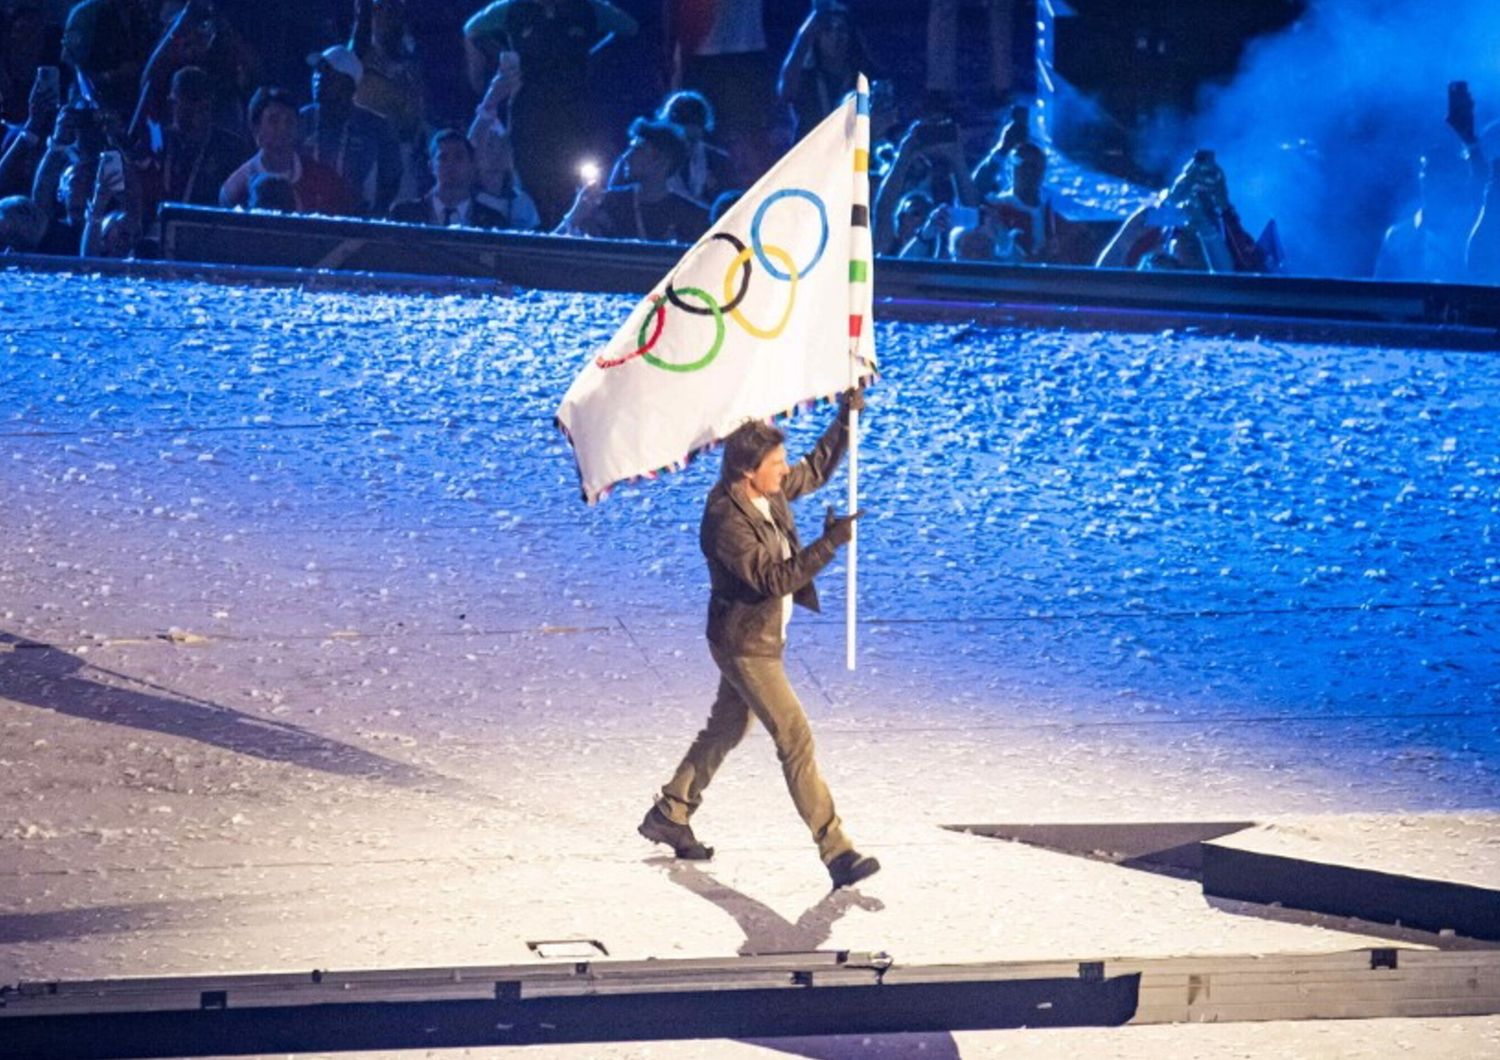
[770,309]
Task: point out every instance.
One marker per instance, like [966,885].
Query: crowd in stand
[114,107]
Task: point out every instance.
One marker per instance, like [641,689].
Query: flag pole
[862,260]
[850,609]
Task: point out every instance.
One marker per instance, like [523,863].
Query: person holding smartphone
[1194,222]
[23,145]
[1431,243]
[929,159]
[822,65]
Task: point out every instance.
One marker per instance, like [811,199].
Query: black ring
[739,248]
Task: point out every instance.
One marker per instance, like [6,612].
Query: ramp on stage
[792,994]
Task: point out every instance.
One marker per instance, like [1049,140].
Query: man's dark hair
[745,448]
[448,136]
[265,97]
[192,82]
[665,137]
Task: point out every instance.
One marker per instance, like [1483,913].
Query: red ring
[661,322]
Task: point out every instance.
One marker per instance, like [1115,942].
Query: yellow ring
[739,318]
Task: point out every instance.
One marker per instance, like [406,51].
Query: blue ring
[755,242]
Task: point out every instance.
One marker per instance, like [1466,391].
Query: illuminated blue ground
[1106,526]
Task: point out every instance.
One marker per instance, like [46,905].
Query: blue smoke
[1322,125]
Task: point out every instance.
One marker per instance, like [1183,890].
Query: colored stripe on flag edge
[865,379]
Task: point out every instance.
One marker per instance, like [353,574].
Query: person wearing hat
[647,207]
[354,142]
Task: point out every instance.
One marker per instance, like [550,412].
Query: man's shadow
[767,931]
[41,675]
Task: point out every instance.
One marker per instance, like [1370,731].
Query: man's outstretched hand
[839,528]
[853,400]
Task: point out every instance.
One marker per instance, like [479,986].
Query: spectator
[646,208]
[942,47]
[23,224]
[494,154]
[1432,244]
[1194,221]
[1039,233]
[456,199]
[107,43]
[355,143]
[195,36]
[392,82]
[273,122]
[822,65]
[192,157]
[549,115]
[22,147]
[718,48]
[112,219]
[912,213]
[27,41]
[65,175]
[928,159]
[707,171]
[991,174]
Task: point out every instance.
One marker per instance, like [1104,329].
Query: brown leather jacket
[746,573]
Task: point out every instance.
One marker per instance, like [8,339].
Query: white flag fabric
[770,309]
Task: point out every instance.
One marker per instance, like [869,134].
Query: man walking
[757,570]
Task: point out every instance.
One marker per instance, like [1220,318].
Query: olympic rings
[641,344]
[733,304]
[762,252]
[760,215]
[791,299]
[702,362]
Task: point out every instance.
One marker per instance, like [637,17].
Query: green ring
[713,351]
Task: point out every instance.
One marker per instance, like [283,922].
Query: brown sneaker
[850,867]
[659,828]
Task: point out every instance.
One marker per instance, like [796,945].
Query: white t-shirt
[764,507]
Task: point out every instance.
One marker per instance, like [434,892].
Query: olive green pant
[756,687]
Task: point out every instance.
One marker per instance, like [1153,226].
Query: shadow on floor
[44,676]
[67,924]
[767,931]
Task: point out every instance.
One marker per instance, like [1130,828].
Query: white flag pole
[861,250]
[853,540]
